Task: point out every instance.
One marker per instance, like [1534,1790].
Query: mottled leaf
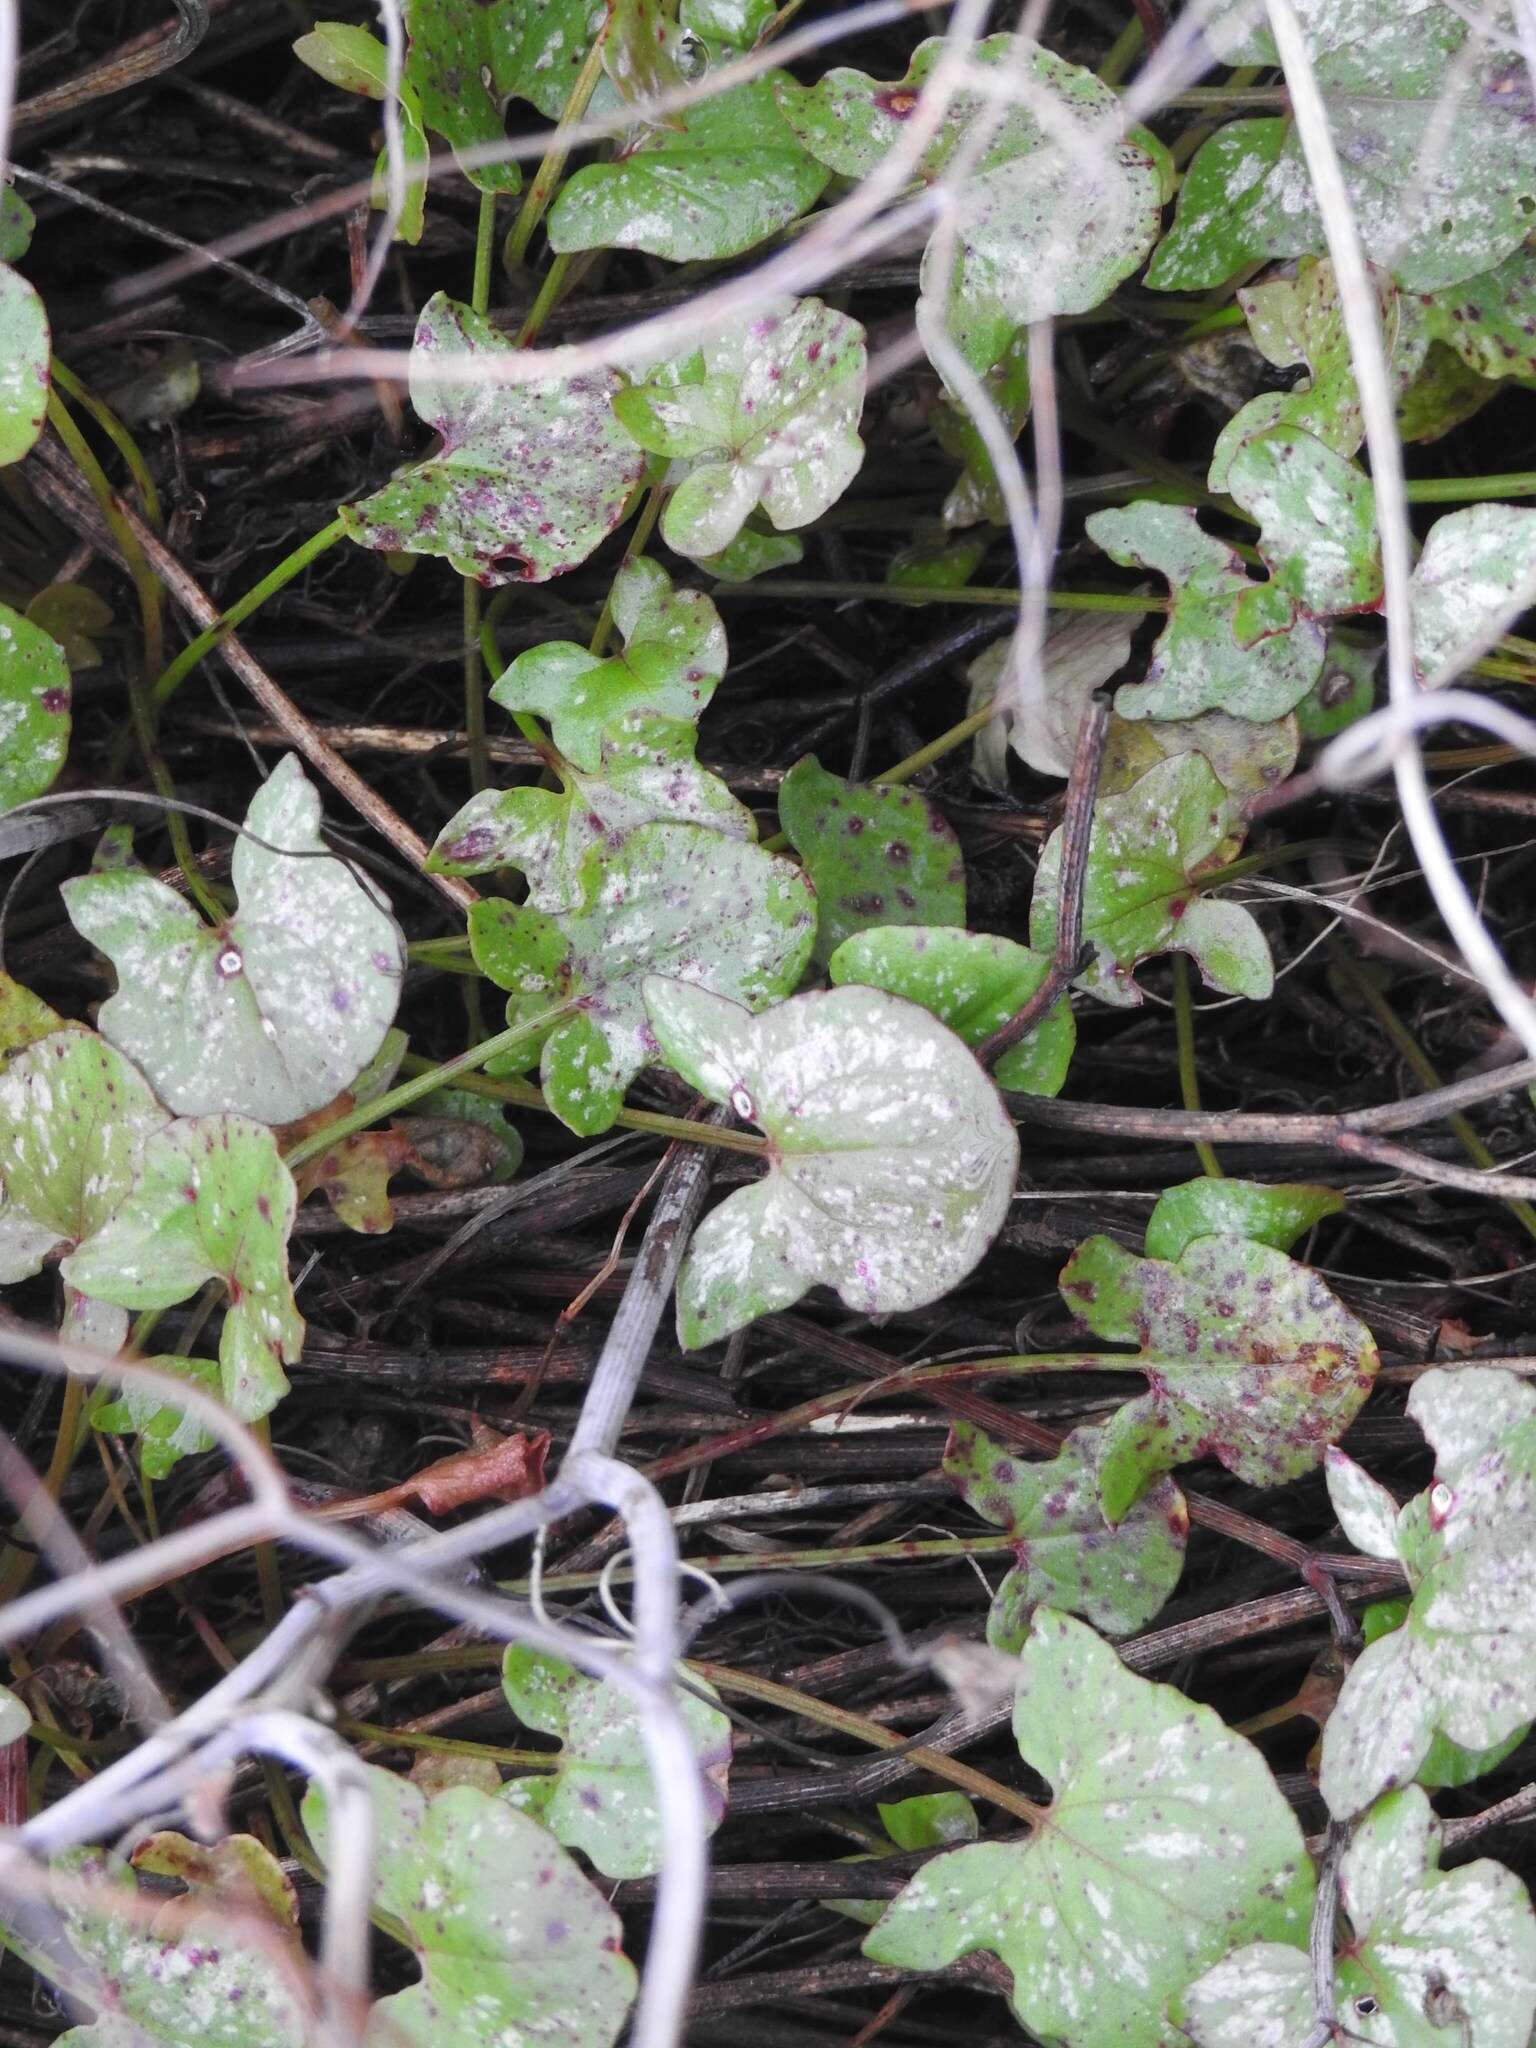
[25,1018]
[1223,201]
[1343,693]
[1167,1843]
[1477,572]
[213,1201]
[600,1798]
[671,899]
[448,67]
[25,346]
[877,855]
[1248,759]
[1249,1358]
[765,412]
[753,554]
[516,1947]
[17,222]
[166,1433]
[1266,1212]
[1446,1764]
[1146,852]
[1317,520]
[1069,1555]
[1489,320]
[536,471]
[34,706]
[276,1010]
[973,982]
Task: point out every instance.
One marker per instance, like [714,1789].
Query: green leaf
[1249,759]
[515,1945]
[670,899]
[753,554]
[728,175]
[34,707]
[929,1820]
[447,68]
[537,471]
[26,343]
[1275,1213]
[356,61]
[1490,320]
[1147,849]
[877,855]
[537,49]
[1446,1763]
[600,1798]
[25,1018]
[213,1201]
[1167,1843]
[1463,1664]
[972,982]
[1069,1555]
[1317,519]
[892,1160]
[72,613]
[1230,644]
[674,655]
[17,222]
[278,1009]
[646,774]
[1477,570]
[977,498]
[1041,707]
[1433,136]
[1249,1357]
[166,1433]
[73,1119]
[1343,693]
[1222,204]
[765,412]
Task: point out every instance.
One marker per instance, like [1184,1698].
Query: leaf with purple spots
[34,709]
[674,655]
[1463,1663]
[716,913]
[1147,851]
[1249,1358]
[213,1201]
[273,1012]
[765,413]
[537,471]
[1489,320]
[26,345]
[599,1798]
[516,1946]
[891,1158]
[1069,1555]
[646,775]
[1167,1843]
[877,855]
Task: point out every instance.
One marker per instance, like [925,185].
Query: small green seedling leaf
[536,52]
[1446,1764]
[1250,1358]
[671,899]
[972,982]
[892,1160]
[1147,850]
[1343,693]
[929,1820]
[538,471]
[213,1201]
[354,60]
[600,1797]
[765,412]
[646,775]
[1230,644]
[166,1433]
[1041,708]
[1167,1843]
[273,1012]
[34,707]
[515,1945]
[1317,519]
[1477,571]
[877,856]
[1069,1555]
[674,655]
[72,613]
[1248,759]
[1273,1213]
[753,554]
[727,175]
[1463,1663]
[26,343]
[17,222]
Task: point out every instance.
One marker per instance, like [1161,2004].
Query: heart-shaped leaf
[515,1945]
[34,707]
[1317,519]
[723,177]
[1167,1843]
[1478,569]
[277,1010]
[538,471]
[646,774]
[1146,852]
[671,899]
[1275,1213]
[213,1201]
[972,982]
[674,655]
[600,1797]
[1230,644]
[1249,1358]
[1041,707]
[1446,1764]
[892,1160]
[26,344]
[1070,1557]
[765,412]
[877,856]
[1463,1664]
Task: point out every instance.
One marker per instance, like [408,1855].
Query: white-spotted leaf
[892,1160]
[1268,1212]
[1248,759]
[1317,520]
[25,347]
[1476,574]
[34,709]
[166,1433]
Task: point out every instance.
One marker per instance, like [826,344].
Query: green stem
[1461,490]
[550,294]
[485,244]
[120,438]
[474,674]
[899,1551]
[290,566]
[1123,52]
[523,1095]
[936,593]
[546,178]
[1189,1073]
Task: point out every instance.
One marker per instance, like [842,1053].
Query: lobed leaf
[1477,571]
